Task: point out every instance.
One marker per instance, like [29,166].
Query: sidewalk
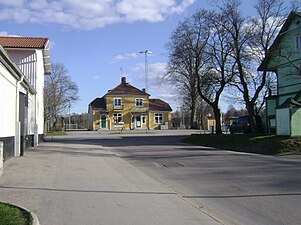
[81,184]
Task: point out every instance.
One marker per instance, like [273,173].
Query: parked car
[243,125]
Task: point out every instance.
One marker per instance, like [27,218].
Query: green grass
[12,215]
[56,133]
[260,144]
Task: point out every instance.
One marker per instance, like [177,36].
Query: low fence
[70,127]
[65,127]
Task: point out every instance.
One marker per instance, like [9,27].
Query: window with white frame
[298,42]
[143,119]
[158,118]
[117,101]
[117,117]
[139,101]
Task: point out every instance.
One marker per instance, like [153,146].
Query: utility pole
[146,52]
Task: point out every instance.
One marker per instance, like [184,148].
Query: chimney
[143,89]
[123,80]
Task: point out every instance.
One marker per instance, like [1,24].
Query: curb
[35,220]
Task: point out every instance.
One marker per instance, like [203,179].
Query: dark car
[243,125]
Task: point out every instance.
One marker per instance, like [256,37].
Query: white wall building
[23,63]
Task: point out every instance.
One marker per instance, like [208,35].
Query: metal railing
[69,127]
[118,107]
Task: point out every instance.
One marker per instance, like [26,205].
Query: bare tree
[60,92]
[250,42]
[218,68]
[186,46]
[233,112]
[295,5]
[200,59]
[270,18]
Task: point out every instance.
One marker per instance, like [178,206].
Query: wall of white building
[40,91]
[7,103]
[26,60]
[14,64]
[31,64]
[8,106]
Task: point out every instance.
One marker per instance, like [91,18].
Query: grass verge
[260,144]
[12,215]
[56,133]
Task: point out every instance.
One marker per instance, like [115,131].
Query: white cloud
[122,57]
[157,88]
[11,2]
[5,33]
[182,7]
[96,77]
[153,11]
[89,14]
[52,44]
[155,74]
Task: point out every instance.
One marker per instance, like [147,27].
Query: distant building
[284,58]
[130,108]
[23,63]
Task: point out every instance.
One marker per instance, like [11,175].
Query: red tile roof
[23,42]
[158,105]
[126,89]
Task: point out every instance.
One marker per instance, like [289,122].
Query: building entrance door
[23,118]
[103,121]
[138,121]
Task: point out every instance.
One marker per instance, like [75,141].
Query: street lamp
[146,52]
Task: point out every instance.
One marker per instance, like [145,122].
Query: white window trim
[143,119]
[162,122]
[298,42]
[117,99]
[136,101]
[118,115]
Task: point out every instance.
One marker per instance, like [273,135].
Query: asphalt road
[151,178]
[233,188]
[74,180]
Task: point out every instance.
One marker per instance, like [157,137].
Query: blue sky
[95,38]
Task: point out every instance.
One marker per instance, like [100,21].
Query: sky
[99,41]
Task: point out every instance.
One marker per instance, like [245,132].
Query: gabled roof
[14,70]
[288,21]
[158,105]
[23,42]
[263,66]
[290,102]
[99,103]
[126,89]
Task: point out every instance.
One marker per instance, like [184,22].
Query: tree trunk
[217,115]
[192,116]
[251,113]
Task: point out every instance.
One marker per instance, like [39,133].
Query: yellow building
[128,107]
